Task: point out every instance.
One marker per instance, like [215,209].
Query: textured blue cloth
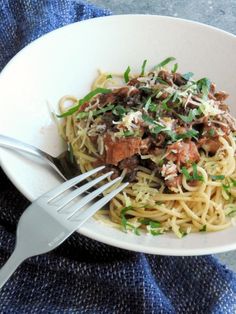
[84,276]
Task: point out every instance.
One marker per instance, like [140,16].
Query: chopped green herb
[87,98]
[109,76]
[203,86]
[154,224]
[164,62]
[143,68]
[126,74]
[157,129]
[219,177]
[128,133]
[84,114]
[203,229]
[183,233]
[196,176]
[226,187]
[232,213]
[150,222]
[175,68]
[185,173]
[171,134]
[174,96]
[153,107]
[160,80]
[148,103]
[190,117]
[211,132]
[155,232]
[164,103]
[124,222]
[148,119]
[233,182]
[187,76]
[119,111]
[189,134]
[145,89]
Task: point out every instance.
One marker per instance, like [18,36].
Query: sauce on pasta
[170,136]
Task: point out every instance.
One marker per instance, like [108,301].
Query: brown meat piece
[221,96]
[134,82]
[105,99]
[166,76]
[145,145]
[173,183]
[129,163]
[120,148]
[209,145]
[116,171]
[178,79]
[183,152]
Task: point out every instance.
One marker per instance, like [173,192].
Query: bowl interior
[67,60]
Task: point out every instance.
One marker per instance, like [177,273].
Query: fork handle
[13,143]
[10,266]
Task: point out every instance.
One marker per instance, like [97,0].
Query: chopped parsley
[232,212]
[84,114]
[191,116]
[119,111]
[218,177]
[187,76]
[192,133]
[175,68]
[126,74]
[203,229]
[194,176]
[87,98]
[128,133]
[160,80]
[150,222]
[109,76]
[124,222]
[164,63]
[143,68]
[211,132]
[148,103]
[183,233]
[203,86]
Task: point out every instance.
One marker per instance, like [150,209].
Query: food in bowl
[171,136]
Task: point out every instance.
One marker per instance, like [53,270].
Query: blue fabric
[84,276]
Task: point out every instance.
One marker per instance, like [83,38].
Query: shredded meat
[209,145]
[166,76]
[120,148]
[145,145]
[221,96]
[129,163]
[178,79]
[105,99]
[174,182]
[183,152]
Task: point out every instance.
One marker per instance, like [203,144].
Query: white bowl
[66,61]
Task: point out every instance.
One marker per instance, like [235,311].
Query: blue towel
[82,275]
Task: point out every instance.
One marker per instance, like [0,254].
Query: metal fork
[63,164]
[54,216]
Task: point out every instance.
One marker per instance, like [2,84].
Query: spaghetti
[170,136]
